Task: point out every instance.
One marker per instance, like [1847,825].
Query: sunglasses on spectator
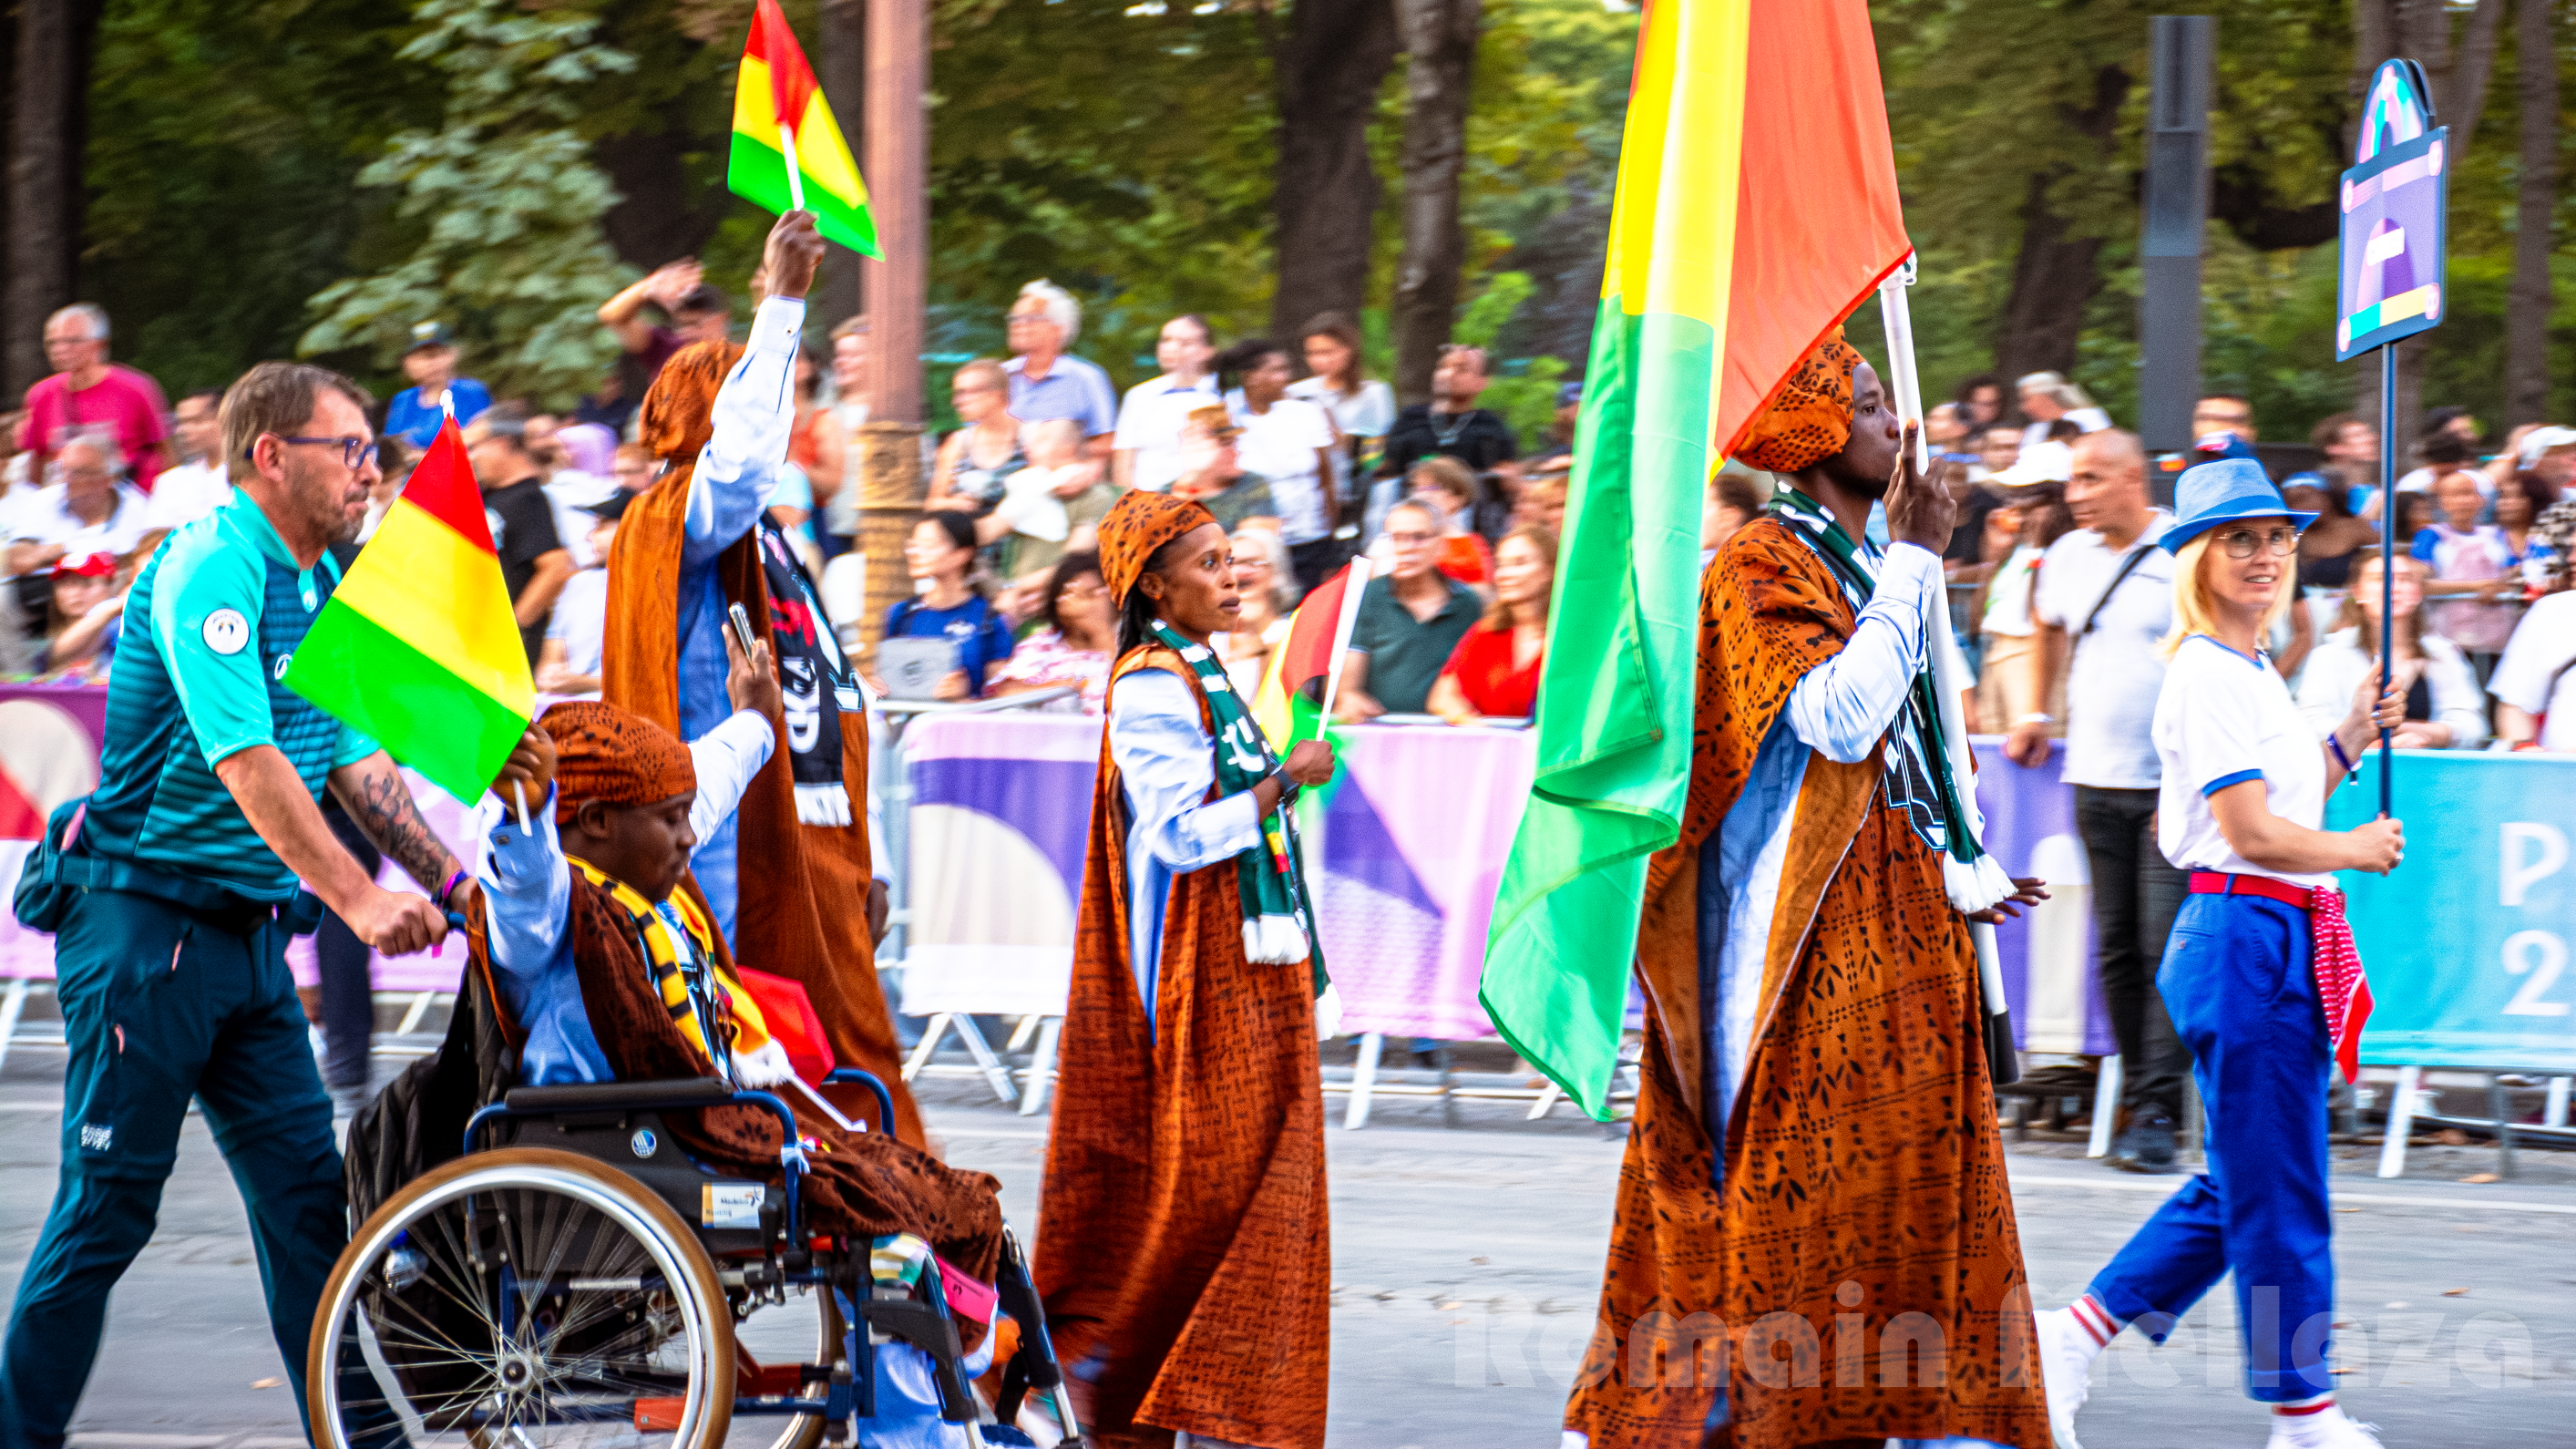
[2241,542]
[355,453]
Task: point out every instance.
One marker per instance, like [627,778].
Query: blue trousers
[160,1005]
[2237,982]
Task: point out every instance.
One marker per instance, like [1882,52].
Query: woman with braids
[1183,1255]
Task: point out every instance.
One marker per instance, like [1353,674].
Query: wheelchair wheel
[781,1334]
[525,1297]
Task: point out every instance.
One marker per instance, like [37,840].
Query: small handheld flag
[1319,636]
[418,646]
[788,153]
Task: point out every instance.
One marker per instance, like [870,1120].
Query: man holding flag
[1814,1240]
[172,890]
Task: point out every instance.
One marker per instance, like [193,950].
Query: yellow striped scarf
[739,1021]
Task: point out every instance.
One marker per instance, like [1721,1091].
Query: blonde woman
[2445,708]
[2259,976]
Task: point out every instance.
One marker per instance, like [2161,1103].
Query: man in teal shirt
[173,891]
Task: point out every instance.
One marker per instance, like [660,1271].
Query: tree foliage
[512,255]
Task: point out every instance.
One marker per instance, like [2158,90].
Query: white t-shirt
[2224,719]
[2111,685]
[1280,446]
[2537,674]
[569,492]
[184,494]
[1150,418]
[1367,413]
[41,517]
[580,621]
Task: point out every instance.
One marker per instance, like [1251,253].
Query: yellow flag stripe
[447,601]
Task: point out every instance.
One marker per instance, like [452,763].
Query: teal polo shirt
[211,624]
[1406,654]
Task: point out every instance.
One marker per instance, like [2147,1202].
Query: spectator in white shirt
[2105,595]
[1145,452]
[2445,709]
[92,510]
[1361,407]
[1047,381]
[201,483]
[2535,682]
[2047,397]
[1289,442]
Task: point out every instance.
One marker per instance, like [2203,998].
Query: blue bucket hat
[2214,493]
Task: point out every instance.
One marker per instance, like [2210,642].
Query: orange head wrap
[679,409]
[1137,525]
[1809,419]
[608,754]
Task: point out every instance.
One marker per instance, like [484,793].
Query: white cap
[2542,440]
[2039,463]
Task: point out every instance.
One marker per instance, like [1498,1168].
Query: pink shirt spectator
[124,399]
[1044,658]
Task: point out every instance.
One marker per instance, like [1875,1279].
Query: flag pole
[795,180]
[1360,569]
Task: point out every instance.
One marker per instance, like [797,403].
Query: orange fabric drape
[802,890]
[1864,1175]
[1183,1245]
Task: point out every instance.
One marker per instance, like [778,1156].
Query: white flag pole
[1904,383]
[1360,570]
[795,180]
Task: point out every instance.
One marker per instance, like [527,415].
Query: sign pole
[2387,569]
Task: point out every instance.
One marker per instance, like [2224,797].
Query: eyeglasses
[2241,542]
[355,453]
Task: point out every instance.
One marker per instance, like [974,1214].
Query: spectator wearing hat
[89,394]
[87,616]
[200,483]
[417,412]
[92,510]
[576,632]
[698,313]
[1046,380]
[1213,475]
[1558,457]
[2104,605]
[2549,455]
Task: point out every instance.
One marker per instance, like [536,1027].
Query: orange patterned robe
[1184,1250]
[1853,1273]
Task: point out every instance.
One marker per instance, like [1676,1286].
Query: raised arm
[1841,707]
[755,410]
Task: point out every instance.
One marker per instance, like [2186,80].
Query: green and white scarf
[1278,915]
[1971,878]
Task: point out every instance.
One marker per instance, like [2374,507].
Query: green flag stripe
[366,677]
[756,172]
[1615,701]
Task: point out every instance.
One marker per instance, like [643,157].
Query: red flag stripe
[791,80]
[443,486]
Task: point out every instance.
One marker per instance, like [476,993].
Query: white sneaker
[2064,1372]
[2328,1428]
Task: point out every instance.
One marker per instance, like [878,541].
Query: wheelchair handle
[842,1076]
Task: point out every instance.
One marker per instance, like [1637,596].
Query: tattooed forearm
[376,798]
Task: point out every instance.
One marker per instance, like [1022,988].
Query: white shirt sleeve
[2540,647]
[1841,707]
[1167,764]
[2457,700]
[527,887]
[2220,744]
[726,758]
[754,412]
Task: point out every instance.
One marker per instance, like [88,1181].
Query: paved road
[1465,1265]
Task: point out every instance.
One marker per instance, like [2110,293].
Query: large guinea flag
[418,646]
[1756,208]
[778,103]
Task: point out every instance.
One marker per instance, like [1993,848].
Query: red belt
[2342,989]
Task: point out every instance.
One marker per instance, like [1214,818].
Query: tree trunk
[2526,327]
[2461,93]
[1440,46]
[655,219]
[2057,273]
[845,87]
[1325,193]
[48,115]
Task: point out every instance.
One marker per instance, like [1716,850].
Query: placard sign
[2393,206]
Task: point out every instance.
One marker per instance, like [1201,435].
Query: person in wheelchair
[602,950]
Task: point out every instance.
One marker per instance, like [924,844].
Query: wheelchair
[575,1279]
